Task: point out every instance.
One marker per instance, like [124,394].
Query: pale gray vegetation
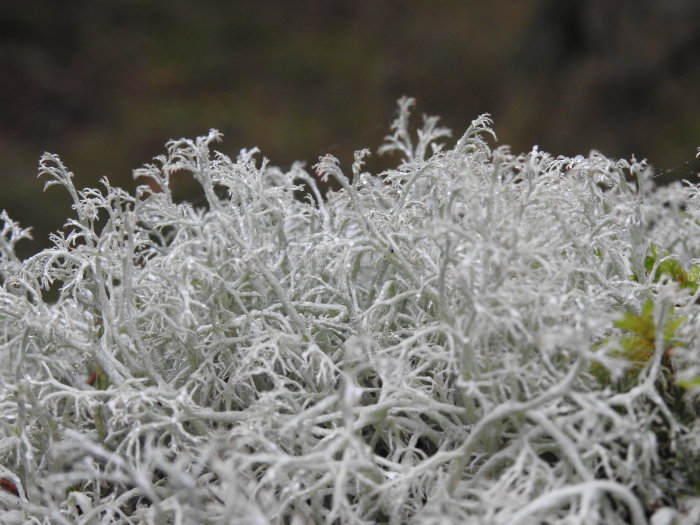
[417,347]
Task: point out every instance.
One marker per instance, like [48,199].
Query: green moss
[638,345]
[671,267]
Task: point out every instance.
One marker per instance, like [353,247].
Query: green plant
[639,345]
[660,264]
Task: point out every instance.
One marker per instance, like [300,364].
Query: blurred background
[105,84]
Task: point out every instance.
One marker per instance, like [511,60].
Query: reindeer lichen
[416,347]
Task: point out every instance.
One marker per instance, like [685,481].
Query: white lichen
[435,344]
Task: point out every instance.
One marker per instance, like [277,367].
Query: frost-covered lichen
[452,341]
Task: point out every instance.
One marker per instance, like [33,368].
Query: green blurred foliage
[638,346]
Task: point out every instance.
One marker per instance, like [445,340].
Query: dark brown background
[105,84]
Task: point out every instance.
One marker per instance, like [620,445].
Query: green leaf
[638,345]
[672,268]
[690,383]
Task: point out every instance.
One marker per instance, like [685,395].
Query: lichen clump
[475,337]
